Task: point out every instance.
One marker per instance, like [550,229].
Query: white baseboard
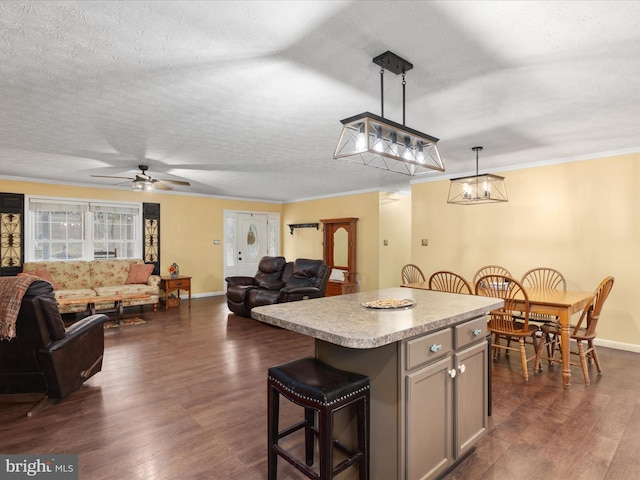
[207,294]
[629,347]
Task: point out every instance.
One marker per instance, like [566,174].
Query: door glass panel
[252,241]
[230,242]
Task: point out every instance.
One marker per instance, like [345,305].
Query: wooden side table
[170,284]
[336,287]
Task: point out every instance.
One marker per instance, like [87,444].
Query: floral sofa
[79,278]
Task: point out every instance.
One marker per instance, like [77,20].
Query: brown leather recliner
[45,357]
[302,279]
[268,277]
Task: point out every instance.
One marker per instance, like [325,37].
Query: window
[114,231]
[66,229]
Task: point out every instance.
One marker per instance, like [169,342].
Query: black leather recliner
[302,279]
[45,357]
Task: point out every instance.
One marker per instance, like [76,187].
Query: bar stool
[320,388]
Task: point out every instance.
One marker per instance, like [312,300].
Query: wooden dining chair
[547,278]
[544,277]
[583,332]
[412,274]
[444,281]
[503,322]
[490,270]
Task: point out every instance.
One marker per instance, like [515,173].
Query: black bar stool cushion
[313,380]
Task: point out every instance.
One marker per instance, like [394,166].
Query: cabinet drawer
[333,289]
[178,283]
[470,332]
[430,347]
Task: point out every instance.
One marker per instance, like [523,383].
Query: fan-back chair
[503,323]
[544,277]
[490,270]
[444,281]
[583,331]
[412,274]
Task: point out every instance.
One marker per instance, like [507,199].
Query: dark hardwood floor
[184,397]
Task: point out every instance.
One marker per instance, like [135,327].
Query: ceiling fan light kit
[372,140]
[143,185]
[476,189]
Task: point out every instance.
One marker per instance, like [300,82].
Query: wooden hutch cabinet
[339,252]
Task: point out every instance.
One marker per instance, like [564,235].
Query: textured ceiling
[245,99]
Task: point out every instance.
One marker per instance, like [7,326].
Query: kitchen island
[427,364]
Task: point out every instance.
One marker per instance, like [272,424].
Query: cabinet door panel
[429,420]
[471,397]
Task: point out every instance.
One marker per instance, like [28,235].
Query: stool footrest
[346,463]
[352,457]
[291,429]
[308,471]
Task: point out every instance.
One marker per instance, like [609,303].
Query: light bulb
[378,145]
[393,142]
[408,154]
[420,151]
[361,141]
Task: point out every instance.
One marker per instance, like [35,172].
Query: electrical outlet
[385,242]
[425,242]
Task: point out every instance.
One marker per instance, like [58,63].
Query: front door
[248,237]
[252,242]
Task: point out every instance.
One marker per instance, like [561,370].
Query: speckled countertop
[343,320]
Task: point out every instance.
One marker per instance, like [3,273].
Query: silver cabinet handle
[462,368]
[434,348]
[452,373]
[477,332]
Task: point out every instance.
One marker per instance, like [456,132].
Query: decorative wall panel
[11,233]
[151,231]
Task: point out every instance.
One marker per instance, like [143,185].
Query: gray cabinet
[445,397]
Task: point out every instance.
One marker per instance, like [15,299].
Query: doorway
[249,236]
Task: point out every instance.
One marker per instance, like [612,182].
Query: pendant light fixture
[486,188]
[373,140]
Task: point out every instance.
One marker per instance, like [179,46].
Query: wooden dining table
[559,303]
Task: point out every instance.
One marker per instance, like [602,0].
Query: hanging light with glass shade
[372,140]
[485,188]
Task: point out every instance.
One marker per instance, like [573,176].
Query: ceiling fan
[142,181]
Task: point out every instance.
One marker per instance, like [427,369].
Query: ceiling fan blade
[176,182]
[144,178]
[111,176]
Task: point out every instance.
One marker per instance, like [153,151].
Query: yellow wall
[307,242]
[188,226]
[395,228]
[582,218]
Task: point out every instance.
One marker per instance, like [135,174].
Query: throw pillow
[41,273]
[139,273]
